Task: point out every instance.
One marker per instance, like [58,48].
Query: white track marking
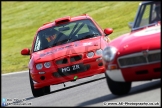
[14,73]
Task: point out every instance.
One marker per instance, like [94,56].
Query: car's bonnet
[76,47]
[145,39]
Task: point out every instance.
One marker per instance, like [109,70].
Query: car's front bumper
[138,73]
[50,77]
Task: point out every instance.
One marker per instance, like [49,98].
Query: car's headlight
[90,54]
[99,52]
[47,64]
[109,53]
[39,66]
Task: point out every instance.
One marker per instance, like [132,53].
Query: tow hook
[75,78]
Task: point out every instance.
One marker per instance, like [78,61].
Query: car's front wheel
[40,91]
[118,88]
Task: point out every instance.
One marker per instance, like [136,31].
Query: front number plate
[73,68]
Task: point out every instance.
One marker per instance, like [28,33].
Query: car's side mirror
[108,31]
[25,51]
[130,25]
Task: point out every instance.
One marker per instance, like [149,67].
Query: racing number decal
[72,68]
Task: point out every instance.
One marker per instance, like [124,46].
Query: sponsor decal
[87,44]
[60,48]
[76,43]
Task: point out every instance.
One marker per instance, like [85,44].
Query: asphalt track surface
[91,91]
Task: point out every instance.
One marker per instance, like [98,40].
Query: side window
[145,17]
[156,13]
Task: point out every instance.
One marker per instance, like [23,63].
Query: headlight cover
[109,53]
[39,66]
[47,64]
[99,52]
[90,54]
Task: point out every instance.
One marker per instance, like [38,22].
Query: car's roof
[148,2]
[50,24]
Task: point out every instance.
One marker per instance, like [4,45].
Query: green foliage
[21,19]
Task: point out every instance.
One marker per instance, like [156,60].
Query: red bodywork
[54,54]
[148,38]
[49,77]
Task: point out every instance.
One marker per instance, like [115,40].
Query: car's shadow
[134,90]
[29,98]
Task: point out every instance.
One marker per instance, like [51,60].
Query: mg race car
[135,56]
[66,49]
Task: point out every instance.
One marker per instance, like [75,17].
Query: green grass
[20,20]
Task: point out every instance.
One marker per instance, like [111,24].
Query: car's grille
[154,57]
[75,58]
[72,59]
[62,61]
[141,58]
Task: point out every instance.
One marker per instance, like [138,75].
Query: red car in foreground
[66,49]
[135,56]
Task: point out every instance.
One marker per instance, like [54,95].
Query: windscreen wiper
[89,36]
[44,48]
[59,42]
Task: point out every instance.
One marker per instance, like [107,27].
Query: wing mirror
[108,31]
[25,51]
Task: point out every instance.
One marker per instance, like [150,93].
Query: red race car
[66,49]
[135,56]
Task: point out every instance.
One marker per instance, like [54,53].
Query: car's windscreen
[65,33]
[148,14]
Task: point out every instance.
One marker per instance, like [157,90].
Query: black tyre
[118,88]
[40,91]
[47,89]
